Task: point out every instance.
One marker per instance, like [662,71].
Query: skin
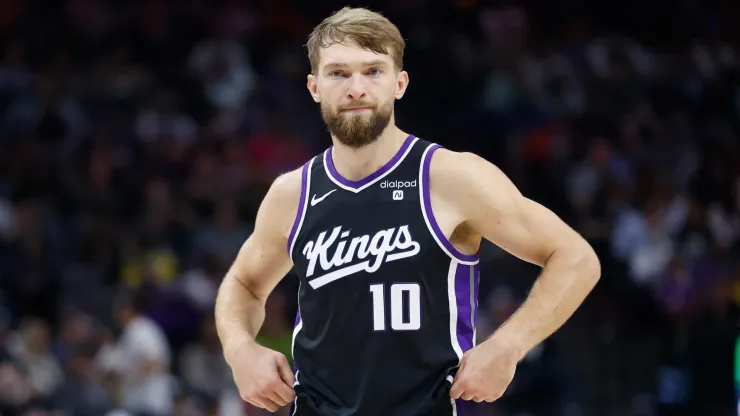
[472,200]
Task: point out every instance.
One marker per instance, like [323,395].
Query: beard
[357,130]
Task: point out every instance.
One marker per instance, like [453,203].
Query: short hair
[370,30]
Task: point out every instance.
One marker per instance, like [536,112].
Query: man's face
[356,89]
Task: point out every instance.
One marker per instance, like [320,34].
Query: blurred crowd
[138,138]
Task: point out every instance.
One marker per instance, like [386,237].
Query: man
[383,230]
[140,357]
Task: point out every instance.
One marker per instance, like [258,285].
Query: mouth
[357,110]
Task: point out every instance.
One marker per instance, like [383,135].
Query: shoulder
[450,160]
[450,169]
[472,184]
[281,203]
[287,186]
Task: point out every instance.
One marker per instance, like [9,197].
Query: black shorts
[304,406]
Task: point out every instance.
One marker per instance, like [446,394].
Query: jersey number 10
[404,305]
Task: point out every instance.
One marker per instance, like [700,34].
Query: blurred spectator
[15,75]
[163,120]
[202,364]
[82,393]
[140,359]
[223,237]
[31,348]
[52,115]
[200,284]
[223,67]
[15,389]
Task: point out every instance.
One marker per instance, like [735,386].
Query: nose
[356,89]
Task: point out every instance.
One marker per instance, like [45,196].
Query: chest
[350,234]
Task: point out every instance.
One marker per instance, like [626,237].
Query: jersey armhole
[302,206]
[426,210]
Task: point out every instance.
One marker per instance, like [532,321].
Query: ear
[313,88]
[402,82]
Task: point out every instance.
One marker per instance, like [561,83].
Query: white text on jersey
[386,245]
[398,184]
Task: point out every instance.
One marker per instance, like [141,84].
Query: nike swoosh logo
[315,200]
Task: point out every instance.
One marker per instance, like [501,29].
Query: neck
[357,163]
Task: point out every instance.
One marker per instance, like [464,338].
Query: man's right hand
[263,376]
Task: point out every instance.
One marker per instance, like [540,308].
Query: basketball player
[383,229]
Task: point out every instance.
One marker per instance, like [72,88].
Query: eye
[374,71]
[335,74]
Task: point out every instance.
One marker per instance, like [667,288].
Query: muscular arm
[486,201]
[260,265]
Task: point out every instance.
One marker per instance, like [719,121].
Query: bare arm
[260,265]
[486,201]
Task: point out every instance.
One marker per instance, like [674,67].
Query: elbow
[581,259]
[589,264]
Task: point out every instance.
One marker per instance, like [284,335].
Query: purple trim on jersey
[297,321]
[362,182]
[427,162]
[468,408]
[462,294]
[301,206]
[476,271]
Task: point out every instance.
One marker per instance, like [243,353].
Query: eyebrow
[342,64]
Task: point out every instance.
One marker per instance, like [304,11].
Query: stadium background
[138,137]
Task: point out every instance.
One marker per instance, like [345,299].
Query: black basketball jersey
[387,306]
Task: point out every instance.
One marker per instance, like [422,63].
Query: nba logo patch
[397,195]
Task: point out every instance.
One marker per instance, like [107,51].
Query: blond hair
[370,30]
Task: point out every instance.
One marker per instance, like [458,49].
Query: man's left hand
[485,371]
